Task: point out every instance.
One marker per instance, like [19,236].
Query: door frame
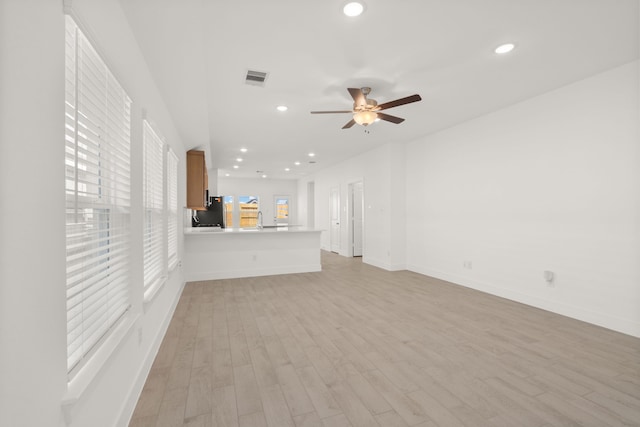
[311,204]
[334,244]
[350,210]
[275,207]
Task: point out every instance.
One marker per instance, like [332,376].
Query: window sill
[96,364]
[153,290]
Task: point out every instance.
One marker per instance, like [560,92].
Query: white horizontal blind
[153,190]
[172,208]
[97,147]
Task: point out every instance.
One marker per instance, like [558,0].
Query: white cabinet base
[233,254]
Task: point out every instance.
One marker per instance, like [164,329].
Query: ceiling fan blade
[388,118]
[348,125]
[358,96]
[331,112]
[398,102]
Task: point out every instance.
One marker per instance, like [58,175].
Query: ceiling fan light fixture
[353,8]
[365,118]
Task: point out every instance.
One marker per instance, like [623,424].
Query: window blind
[153,201]
[172,208]
[97,184]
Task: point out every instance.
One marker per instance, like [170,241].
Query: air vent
[255,78]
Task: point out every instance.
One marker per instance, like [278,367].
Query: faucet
[259,220]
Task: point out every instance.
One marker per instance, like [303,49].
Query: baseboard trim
[383,265]
[134,394]
[236,274]
[625,326]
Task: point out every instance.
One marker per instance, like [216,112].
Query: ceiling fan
[366,111]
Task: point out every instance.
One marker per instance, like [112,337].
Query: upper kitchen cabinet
[197,180]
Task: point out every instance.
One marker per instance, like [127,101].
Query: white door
[335,220]
[358,218]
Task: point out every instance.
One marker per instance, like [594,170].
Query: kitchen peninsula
[212,253]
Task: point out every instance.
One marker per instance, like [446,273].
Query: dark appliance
[213,216]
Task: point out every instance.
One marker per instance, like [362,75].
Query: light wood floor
[357,346]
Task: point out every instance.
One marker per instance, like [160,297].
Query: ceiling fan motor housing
[370,104]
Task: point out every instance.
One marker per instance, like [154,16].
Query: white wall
[382,172]
[32,252]
[548,184]
[32,259]
[265,189]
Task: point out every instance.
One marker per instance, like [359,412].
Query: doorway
[356,214]
[311,204]
[335,220]
[281,209]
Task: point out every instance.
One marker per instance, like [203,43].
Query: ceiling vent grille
[255,78]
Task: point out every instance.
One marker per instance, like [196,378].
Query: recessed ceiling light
[297,163]
[504,48]
[282,108]
[239,159]
[264,176]
[353,8]
[312,154]
[226,174]
[236,166]
[287,169]
[244,150]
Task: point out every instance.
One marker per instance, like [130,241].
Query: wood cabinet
[197,180]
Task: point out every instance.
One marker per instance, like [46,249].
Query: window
[153,204]
[172,208]
[228,209]
[97,186]
[249,207]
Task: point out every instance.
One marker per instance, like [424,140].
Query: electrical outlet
[549,277]
[255,257]
[467,264]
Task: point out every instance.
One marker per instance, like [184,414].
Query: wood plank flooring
[356,346]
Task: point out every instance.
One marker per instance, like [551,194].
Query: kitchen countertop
[251,230]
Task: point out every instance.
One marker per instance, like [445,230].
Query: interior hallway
[355,345]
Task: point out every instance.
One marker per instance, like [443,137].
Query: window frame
[98,199]
[154,211]
[171,168]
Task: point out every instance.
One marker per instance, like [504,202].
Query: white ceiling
[199,52]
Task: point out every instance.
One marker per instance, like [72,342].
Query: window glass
[228,208]
[153,202]
[172,206]
[249,207]
[97,183]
